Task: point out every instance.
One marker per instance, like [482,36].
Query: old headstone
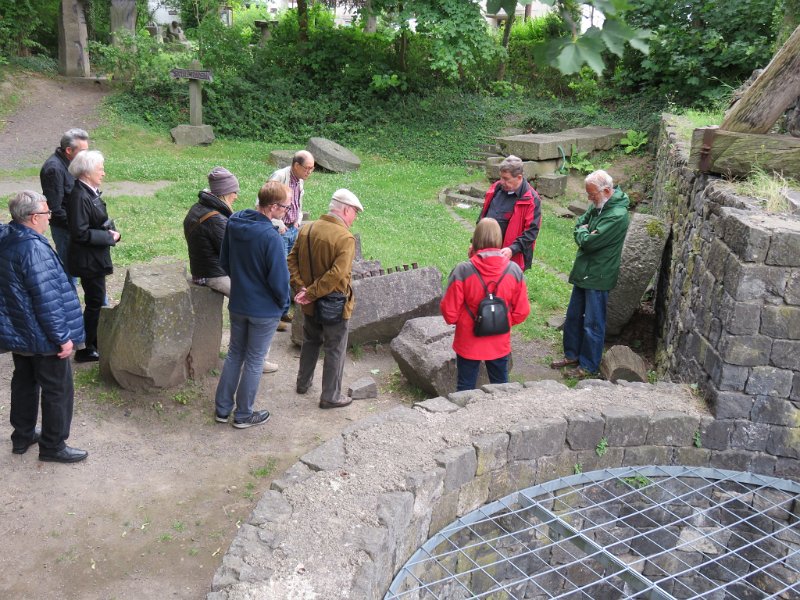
[551,185]
[122,17]
[333,157]
[641,255]
[147,340]
[201,134]
[73,49]
[620,363]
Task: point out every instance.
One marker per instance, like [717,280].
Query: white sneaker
[269,367]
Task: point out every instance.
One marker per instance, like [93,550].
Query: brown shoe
[577,373]
[342,401]
[282,326]
[564,362]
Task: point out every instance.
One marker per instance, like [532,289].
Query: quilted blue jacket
[39,308]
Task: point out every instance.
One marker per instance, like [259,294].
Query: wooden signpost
[195,75]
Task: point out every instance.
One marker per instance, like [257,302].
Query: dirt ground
[153,509]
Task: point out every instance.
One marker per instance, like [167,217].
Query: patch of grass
[398,384]
[771,189]
[193,552]
[179,526]
[266,470]
[165,537]
[637,481]
[86,377]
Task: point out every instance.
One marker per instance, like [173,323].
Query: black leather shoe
[22,448]
[87,355]
[65,455]
[341,402]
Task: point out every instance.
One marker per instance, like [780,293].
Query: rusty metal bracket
[705,150]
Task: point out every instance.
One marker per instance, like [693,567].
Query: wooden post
[771,93]
[195,74]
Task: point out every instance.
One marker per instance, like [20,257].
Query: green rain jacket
[597,262]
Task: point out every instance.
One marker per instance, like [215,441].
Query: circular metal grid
[633,532]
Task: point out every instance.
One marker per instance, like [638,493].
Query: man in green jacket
[600,235]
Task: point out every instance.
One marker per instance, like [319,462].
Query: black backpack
[492,317]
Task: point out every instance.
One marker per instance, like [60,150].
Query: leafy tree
[700,45]
[21,24]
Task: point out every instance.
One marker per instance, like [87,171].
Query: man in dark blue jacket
[252,255]
[40,324]
[57,183]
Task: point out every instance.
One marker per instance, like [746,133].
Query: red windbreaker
[523,227]
[465,289]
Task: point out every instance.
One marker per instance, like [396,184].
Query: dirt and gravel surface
[153,509]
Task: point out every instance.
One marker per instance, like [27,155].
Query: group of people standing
[262,260]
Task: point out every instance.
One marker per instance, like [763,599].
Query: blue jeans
[241,373]
[289,236]
[61,240]
[467,371]
[585,327]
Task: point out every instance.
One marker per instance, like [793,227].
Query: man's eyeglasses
[47,212]
[307,169]
[285,206]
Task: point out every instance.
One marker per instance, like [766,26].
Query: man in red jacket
[516,206]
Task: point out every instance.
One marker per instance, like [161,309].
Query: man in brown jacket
[321,262]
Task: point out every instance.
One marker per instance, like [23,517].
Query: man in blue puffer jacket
[40,324]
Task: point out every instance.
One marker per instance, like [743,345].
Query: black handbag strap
[485,288]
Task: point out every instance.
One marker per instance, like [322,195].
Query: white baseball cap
[345,196]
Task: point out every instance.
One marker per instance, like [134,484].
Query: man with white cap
[320,263]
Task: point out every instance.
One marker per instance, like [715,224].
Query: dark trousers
[94,295]
[331,338]
[467,371]
[47,379]
[585,327]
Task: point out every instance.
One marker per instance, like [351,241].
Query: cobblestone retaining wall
[729,305]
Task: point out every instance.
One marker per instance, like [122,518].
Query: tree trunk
[501,71]
[302,21]
[371,19]
[771,93]
[528,12]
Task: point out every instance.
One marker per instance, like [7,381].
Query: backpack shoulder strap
[485,289]
[503,274]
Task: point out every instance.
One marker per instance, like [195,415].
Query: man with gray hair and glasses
[40,324]
[516,207]
[57,183]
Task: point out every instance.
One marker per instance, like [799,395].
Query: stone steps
[453,198]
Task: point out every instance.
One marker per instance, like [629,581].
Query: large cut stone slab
[537,146]
[122,16]
[192,135]
[73,43]
[641,255]
[589,139]
[145,342]
[332,156]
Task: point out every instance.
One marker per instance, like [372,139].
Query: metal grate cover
[632,532]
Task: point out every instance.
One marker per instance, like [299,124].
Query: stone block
[784,249]
[745,350]
[192,135]
[73,46]
[769,381]
[386,302]
[536,438]
[395,511]
[784,441]
[437,405]
[725,376]
[595,138]
[362,388]
[558,465]
[331,156]
[748,281]
[647,455]
[207,333]
[795,395]
[536,146]
[551,185]
[473,494]
[272,508]
[781,322]
[281,158]
[786,354]
[584,430]
[745,236]
[465,397]
[501,388]
[492,167]
[762,463]
[730,405]
[145,340]
[459,465]
[717,258]
[735,460]
[476,190]
[715,434]
[491,452]
[546,386]
[578,209]
[297,473]
[534,169]
[739,318]
[641,256]
[787,468]
[329,456]
[444,511]
[776,411]
[672,429]
[454,199]
[750,436]
[424,352]
[588,384]
[625,427]
[792,294]
[692,457]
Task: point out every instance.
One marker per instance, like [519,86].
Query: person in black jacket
[204,228]
[57,183]
[92,234]
[40,323]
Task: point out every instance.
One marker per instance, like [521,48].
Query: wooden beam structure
[735,154]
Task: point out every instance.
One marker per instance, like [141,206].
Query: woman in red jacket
[464,290]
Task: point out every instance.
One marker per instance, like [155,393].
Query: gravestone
[331,156]
[641,256]
[122,17]
[73,50]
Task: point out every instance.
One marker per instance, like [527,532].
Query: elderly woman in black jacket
[91,234]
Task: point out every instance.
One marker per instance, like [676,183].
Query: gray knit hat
[221,182]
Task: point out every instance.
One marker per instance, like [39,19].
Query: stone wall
[729,304]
